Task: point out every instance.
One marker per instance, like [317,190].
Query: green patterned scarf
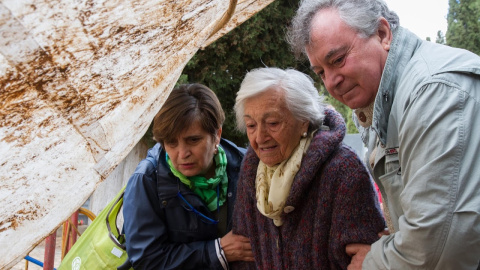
[206,188]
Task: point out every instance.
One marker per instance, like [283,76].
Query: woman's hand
[236,247]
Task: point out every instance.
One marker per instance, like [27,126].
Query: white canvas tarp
[80,82]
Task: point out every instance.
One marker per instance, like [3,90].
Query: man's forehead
[325,18]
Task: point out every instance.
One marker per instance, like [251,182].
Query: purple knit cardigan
[334,204]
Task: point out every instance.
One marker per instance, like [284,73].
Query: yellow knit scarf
[273,183]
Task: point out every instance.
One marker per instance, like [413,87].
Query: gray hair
[361,15]
[301,96]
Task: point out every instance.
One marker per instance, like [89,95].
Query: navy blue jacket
[160,233]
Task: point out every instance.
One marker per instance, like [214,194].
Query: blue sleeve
[147,240]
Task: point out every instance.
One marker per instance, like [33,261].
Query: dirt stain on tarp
[82,91]
[83,82]
[31,211]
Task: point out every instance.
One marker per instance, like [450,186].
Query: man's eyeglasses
[201,216]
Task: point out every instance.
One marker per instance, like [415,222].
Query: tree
[258,42]
[464,25]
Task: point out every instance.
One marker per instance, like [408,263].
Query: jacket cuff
[215,253]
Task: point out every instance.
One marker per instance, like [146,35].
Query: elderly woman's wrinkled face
[272,130]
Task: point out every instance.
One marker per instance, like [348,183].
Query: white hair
[361,15]
[301,96]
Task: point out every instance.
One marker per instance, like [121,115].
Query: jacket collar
[404,45]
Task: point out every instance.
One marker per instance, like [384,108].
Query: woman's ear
[305,126]
[384,34]
[218,136]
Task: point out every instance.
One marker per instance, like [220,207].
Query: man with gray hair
[416,104]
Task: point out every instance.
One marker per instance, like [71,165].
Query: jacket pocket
[392,187]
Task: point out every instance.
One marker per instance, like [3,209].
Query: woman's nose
[184,151]
[262,134]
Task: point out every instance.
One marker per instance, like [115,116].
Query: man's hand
[358,253]
[384,232]
[236,247]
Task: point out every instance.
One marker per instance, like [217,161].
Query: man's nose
[332,79]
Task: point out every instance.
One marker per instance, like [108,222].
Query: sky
[422,17]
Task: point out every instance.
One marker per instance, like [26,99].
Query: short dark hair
[186,104]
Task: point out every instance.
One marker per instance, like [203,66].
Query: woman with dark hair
[179,215]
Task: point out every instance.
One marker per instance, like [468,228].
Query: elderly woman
[302,194]
[177,216]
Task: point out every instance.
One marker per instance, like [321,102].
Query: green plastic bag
[101,246]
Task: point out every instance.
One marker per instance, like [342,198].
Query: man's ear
[384,34]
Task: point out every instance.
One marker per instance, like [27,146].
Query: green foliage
[464,25]
[258,42]
[345,111]
[148,137]
[182,80]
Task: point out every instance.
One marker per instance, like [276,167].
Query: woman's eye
[274,126]
[194,140]
[171,144]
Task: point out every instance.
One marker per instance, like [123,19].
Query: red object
[71,233]
[378,193]
[49,257]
